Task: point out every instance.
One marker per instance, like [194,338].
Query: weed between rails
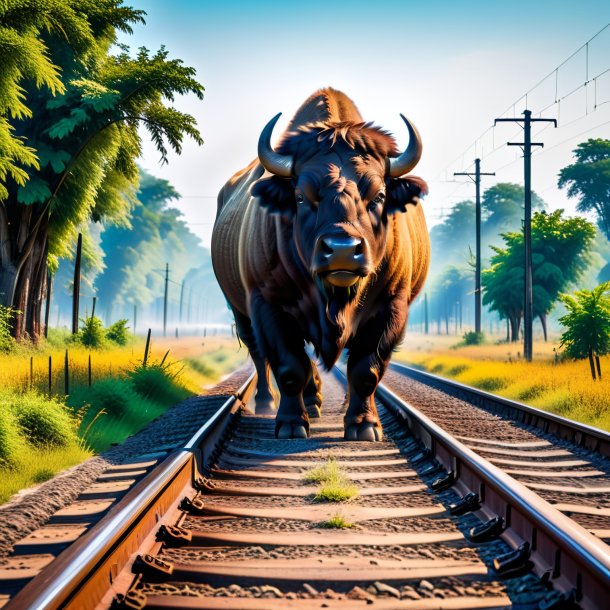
[335,485]
[337,521]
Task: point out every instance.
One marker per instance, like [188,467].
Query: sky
[450,66]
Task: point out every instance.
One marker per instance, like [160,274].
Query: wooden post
[50,375]
[76,286]
[47,308]
[89,369]
[93,307]
[147,348]
[66,375]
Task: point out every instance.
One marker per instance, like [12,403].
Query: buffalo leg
[264,400]
[369,355]
[312,394]
[284,346]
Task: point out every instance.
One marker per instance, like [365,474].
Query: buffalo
[322,241]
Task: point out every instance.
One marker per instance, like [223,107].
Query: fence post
[66,375]
[147,348]
[93,307]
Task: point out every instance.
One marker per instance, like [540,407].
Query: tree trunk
[507,331]
[591,363]
[515,322]
[23,267]
[542,317]
[599,368]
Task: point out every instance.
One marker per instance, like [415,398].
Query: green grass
[335,485]
[38,465]
[337,521]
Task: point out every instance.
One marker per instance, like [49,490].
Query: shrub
[92,332]
[472,337]
[491,384]
[116,396]
[44,421]
[11,443]
[159,383]
[6,316]
[118,333]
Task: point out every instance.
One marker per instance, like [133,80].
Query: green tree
[87,141]
[502,210]
[560,255]
[588,179]
[587,323]
[448,291]
[454,237]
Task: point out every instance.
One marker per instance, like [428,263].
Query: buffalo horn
[280,165]
[399,166]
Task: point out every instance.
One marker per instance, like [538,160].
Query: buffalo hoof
[365,431]
[288,430]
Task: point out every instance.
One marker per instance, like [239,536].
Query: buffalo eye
[378,200]
[300,198]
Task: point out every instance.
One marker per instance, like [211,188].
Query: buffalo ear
[402,191]
[276,194]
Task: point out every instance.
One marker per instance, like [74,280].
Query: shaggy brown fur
[265,250]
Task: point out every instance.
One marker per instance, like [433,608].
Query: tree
[560,255]
[455,235]
[87,140]
[449,288]
[587,324]
[134,256]
[502,210]
[588,179]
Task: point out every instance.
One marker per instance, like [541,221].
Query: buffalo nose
[341,248]
[340,252]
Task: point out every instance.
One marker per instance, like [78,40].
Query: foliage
[472,337]
[560,249]
[45,421]
[502,209]
[587,322]
[118,332]
[588,179]
[6,316]
[558,386]
[335,486]
[135,255]
[159,382]
[92,333]
[11,440]
[85,134]
[337,521]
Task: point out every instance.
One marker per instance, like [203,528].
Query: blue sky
[451,67]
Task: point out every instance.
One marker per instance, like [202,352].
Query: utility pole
[526,146]
[477,273]
[165,299]
[76,286]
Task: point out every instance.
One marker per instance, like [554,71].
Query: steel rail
[58,584]
[571,557]
[580,434]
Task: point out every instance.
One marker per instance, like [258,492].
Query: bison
[322,241]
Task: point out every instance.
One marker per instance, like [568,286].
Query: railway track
[228,521]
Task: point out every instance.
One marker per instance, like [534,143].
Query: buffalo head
[338,184]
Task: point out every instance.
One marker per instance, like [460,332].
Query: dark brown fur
[261,250]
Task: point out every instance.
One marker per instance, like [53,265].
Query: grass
[42,435]
[337,521]
[335,486]
[559,386]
